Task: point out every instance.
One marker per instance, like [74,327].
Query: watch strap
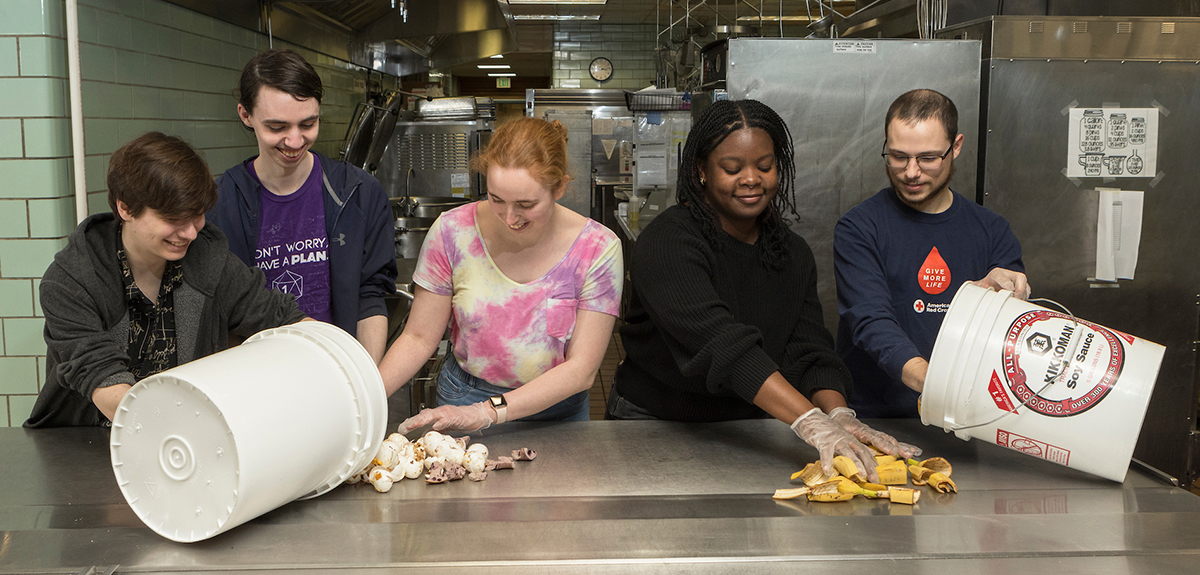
[500,405]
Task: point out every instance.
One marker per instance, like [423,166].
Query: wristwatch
[501,406]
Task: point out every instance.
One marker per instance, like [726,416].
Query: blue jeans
[457,387]
[620,408]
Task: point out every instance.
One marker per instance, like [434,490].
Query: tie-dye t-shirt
[505,332]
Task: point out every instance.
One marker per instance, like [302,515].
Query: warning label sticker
[996,389]
[1032,447]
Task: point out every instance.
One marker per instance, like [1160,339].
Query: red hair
[538,146]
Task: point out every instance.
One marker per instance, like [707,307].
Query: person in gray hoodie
[144,288]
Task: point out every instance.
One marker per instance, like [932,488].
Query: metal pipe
[76,91]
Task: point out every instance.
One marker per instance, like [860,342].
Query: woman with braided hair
[724,321]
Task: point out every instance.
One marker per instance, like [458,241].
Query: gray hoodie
[87,317]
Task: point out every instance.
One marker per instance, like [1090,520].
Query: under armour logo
[341,239]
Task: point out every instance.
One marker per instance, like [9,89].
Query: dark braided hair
[715,124]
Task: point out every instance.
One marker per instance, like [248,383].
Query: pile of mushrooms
[439,457]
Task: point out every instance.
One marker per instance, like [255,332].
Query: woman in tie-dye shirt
[529,289]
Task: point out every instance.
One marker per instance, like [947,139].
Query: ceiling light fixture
[493,67]
[552,2]
[555,17]
[498,56]
[775,19]
[494,75]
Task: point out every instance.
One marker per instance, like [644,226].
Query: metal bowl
[425,206]
[410,234]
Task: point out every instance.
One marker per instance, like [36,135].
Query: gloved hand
[472,417]
[830,439]
[846,417]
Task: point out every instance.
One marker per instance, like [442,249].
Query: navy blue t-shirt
[897,270]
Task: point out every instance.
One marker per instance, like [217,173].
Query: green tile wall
[8,57]
[10,138]
[146,65]
[19,408]
[20,375]
[16,300]
[630,47]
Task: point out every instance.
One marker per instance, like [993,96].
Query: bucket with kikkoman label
[1039,381]
[206,446]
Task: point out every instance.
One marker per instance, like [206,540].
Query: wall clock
[601,69]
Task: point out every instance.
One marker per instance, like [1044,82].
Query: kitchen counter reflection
[618,497]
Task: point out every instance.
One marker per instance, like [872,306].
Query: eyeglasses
[900,161]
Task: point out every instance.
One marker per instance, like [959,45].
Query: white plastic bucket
[289,414]
[1085,387]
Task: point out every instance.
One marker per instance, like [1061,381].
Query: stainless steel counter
[618,497]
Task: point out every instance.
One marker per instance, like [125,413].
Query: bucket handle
[1065,369]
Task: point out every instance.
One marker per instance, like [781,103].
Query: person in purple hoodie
[319,229]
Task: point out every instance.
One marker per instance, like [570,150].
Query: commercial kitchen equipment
[599,152]
[428,154]
[1044,76]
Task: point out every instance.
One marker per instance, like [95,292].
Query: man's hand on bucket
[1000,278]
[846,417]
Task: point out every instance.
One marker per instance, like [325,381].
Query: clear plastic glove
[830,439]
[845,417]
[451,417]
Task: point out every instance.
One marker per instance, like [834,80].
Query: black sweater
[705,328]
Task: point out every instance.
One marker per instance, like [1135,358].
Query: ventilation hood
[397,37]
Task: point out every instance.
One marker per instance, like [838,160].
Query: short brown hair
[283,70]
[162,173]
[538,146]
[920,105]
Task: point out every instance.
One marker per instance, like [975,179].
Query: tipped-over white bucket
[211,444]
[1084,387]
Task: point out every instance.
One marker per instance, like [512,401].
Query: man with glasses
[900,255]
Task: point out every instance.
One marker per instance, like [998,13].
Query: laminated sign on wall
[1112,143]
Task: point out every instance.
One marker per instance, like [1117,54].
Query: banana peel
[812,475]
[938,464]
[828,492]
[919,474]
[894,473]
[872,486]
[903,495]
[942,484]
[845,466]
[848,481]
[791,493]
[939,481]
[848,486]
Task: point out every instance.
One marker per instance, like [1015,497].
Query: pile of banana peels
[846,482]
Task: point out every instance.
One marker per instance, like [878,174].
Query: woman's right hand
[831,439]
[469,418]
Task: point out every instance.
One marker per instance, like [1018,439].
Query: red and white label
[934,275]
[1058,366]
[1029,446]
[999,395]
